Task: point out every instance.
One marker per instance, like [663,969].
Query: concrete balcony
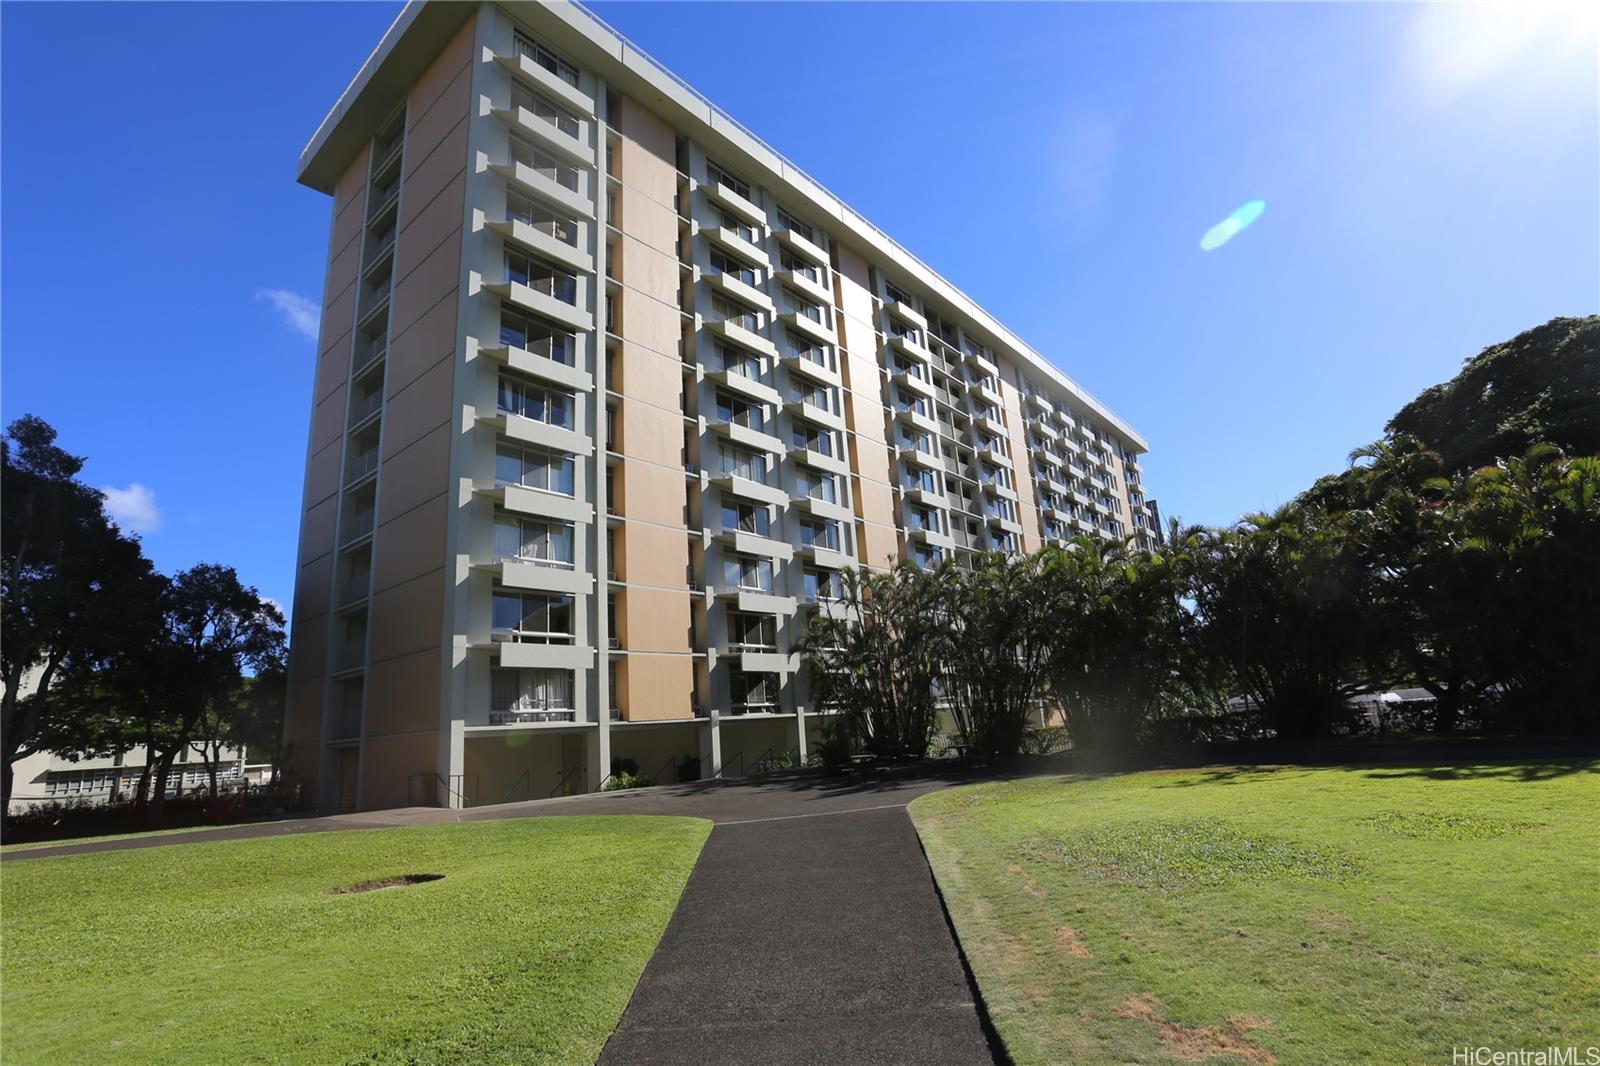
[928,498]
[1047,458]
[1003,523]
[917,457]
[832,464]
[730,241]
[993,424]
[743,337]
[764,662]
[535,364]
[529,71]
[1045,430]
[824,508]
[541,184]
[525,296]
[910,348]
[822,416]
[827,558]
[754,544]
[810,368]
[733,203]
[537,240]
[748,489]
[757,601]
[811,288]
[520,499]
[907,314]
[524,656]
[731,286]
[745,386]
[809,327]
[997,490]
[803,247]
[982,364]
[1038,401]
[515,573]
[909,381]
[529,431]
[911,418]
[985,393]
[541,130]
[749,438]
[932,537]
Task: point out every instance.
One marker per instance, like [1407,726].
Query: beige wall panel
[349,198]
[328,419]
[415,351]
[424,285]
[322,474]
[432,132]
[417,410]
[403,693]
[651,376]
[342,271]
[438,81]
[653,619]
[655,325]
[853,296]
[387,764]
[409,544]
[333,370]
[308,643]
[656,687]
[429,223]
[651,226]
[865,417]
[880,546]
[653,555]
[311,588]
[649,153]
[444,166]
[870,461]
[405,617]
[652,493]
[417,474]
[653,273]
[874,501]
[1022,469]
[654,435]
[316,528]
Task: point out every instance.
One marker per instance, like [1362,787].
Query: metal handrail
[525,776]
[737,755]
[672,761]
[564,778]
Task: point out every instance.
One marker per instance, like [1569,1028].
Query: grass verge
[526,951]
[1297,915]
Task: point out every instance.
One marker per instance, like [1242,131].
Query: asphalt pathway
[810,930]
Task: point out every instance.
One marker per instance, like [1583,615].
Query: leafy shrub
[689,768]
[618,782]
[1044,740]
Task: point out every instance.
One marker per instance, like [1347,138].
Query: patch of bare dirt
[1028,885]
[387,882]
[1068,941]
[1198,1043]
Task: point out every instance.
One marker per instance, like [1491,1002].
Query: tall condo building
[607,395]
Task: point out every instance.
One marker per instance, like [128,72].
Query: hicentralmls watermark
[1525,1056]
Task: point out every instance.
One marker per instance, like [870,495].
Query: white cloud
[133,508]
[299,312]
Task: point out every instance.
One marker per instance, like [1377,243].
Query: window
[738,361]
[925,555]
[803,267]
[532,691]
[919,440]
[818,396]
[536,400]
[807,349]
[893,294]
[727,310]
[910,401]
[741,462]
[724,264]
[537,336]
[817,485]
[520,208]
[819,533]
[922,518]
[731,408]
[525,152]
[738,226]
[533,617]
[715,175]
[524,97]
[541,276]
[535,540]
[822,585]
[758,632]
[814,438]
[807,309]
[747,572]
[741,517]
[534,468]
[918,478]
[794,225]
[547,59]
[756,693]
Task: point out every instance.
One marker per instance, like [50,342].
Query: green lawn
[526,951]
[1290,915]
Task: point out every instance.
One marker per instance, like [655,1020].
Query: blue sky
[1430,175]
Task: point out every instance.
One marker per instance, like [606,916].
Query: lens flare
[1224,231]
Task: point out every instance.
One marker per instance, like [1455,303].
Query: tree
[1122,650]
[1542,386]
[871,657]
[997,621]
[65,573]
[1283,600]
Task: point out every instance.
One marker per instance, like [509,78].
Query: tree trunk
[158,798]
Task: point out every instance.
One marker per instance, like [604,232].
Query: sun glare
[1459,43]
